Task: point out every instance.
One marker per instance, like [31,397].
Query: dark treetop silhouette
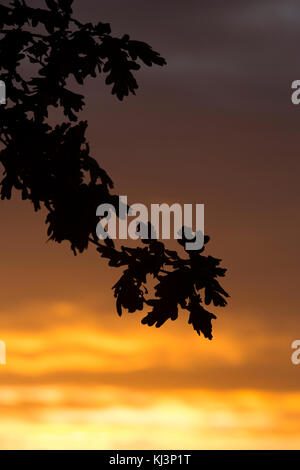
[58,173]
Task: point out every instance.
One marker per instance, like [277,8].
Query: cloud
[72,344]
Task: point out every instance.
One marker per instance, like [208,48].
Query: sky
[215,126]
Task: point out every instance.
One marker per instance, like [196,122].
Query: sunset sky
[215,126]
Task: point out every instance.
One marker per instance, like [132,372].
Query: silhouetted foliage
[52,165]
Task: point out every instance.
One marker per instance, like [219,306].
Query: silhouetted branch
[53,168]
